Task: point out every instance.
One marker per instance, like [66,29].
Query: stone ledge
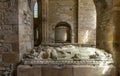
[69,62]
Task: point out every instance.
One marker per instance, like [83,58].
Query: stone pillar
[116,42]
[44,21]
[86,22]
[25,16]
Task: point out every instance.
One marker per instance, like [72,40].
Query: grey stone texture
[14,26]
[9,29]
[87,22]
[25,26]
[25,70]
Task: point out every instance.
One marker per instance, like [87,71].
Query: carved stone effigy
[68,54]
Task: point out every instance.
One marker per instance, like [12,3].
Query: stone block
[65,71]
[11,38]
[3,49]
[0,58]
[9,58]
[94,71]
[26,70]
[51,71]
[1,37]
[37,71]
[15,47]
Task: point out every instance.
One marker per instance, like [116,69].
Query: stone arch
[63,32]
[104,28]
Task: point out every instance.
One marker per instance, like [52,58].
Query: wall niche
[63,33]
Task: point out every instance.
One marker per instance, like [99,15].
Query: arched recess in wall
[37,23]
[62,33]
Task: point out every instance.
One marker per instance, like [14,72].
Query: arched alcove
[63,33]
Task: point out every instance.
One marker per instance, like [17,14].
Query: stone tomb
[67,60]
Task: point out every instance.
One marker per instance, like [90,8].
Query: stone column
[44,21]
[116,21]
[86,22]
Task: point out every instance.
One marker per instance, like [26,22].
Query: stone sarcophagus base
[67,70]
[66,60]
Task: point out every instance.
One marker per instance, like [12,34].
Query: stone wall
[16,33]
[79,14]
[62,11]
[9,44]
[25,26]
